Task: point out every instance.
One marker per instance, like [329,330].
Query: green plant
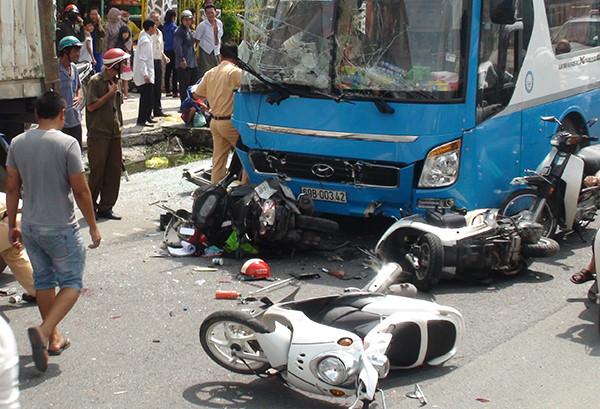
[232,26]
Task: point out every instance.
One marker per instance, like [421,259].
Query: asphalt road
[530,340]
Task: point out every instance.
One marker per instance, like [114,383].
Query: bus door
[497,136]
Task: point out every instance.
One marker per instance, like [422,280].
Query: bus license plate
[325,194]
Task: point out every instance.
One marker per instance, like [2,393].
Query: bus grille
[325,169]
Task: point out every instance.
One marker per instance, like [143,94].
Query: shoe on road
[108,214]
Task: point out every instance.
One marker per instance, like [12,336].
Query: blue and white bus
[382,105]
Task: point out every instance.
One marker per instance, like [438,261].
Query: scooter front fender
[276,345]
[367,380]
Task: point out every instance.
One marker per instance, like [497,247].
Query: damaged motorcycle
[470,244]
[555,195]
[336,345]
[268,215]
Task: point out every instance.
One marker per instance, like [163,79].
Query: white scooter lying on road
[469,244]
[337,345]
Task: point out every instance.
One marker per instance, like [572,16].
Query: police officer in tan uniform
[104,122]
[218,86]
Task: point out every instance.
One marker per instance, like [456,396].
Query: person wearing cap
[185,58]
[218,86]
[69,50]
[208,34]
[104,122]
[69,25]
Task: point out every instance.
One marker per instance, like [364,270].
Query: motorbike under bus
[397,106]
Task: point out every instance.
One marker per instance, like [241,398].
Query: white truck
[28,62]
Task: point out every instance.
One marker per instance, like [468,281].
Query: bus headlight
[441,165]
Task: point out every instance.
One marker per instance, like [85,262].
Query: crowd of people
[120,52]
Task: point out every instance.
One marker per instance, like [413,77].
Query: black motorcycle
[267,215]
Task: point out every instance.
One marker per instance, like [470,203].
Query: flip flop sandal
[582,277]
[65,345]
[38,349]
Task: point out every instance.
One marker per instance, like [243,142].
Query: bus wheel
[526,200]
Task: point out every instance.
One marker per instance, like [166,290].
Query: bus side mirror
[502,11]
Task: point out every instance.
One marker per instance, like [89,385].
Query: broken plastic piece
[186,249]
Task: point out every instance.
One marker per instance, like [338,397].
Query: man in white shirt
[209,33]
[143,73]
[158,49]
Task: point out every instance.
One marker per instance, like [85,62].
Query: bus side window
[501,51]
[574,24]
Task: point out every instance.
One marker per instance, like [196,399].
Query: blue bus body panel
[442,122]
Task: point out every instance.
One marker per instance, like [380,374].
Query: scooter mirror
[592,122]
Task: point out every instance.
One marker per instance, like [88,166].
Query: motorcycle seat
[342,311]
[349,318]
[446,220]
[591,159]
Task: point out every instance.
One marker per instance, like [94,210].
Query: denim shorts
[57,255]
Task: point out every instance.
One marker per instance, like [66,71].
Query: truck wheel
[545,247]
[526,200]
[428,253]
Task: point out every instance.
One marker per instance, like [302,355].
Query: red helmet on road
[114,56]
[255,268]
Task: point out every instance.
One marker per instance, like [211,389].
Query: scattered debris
[217,261]
[171,314]
[186,307]
[15,299]
[115,317]
[212,251]
[483,400]
[227,295]
[338,274]
[418,394]
[157,162]
[156,341]
[186,249]
[8,291]
[233,295]
[199,283]
[205,269]
[119,392]
[306,276]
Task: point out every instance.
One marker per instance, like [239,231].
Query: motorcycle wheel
[224,332]
[430,256]
[316,224]
[545,247]
[525,200]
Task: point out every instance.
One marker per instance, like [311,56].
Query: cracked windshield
[395,49]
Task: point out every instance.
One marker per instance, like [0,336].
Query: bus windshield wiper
[284,91]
